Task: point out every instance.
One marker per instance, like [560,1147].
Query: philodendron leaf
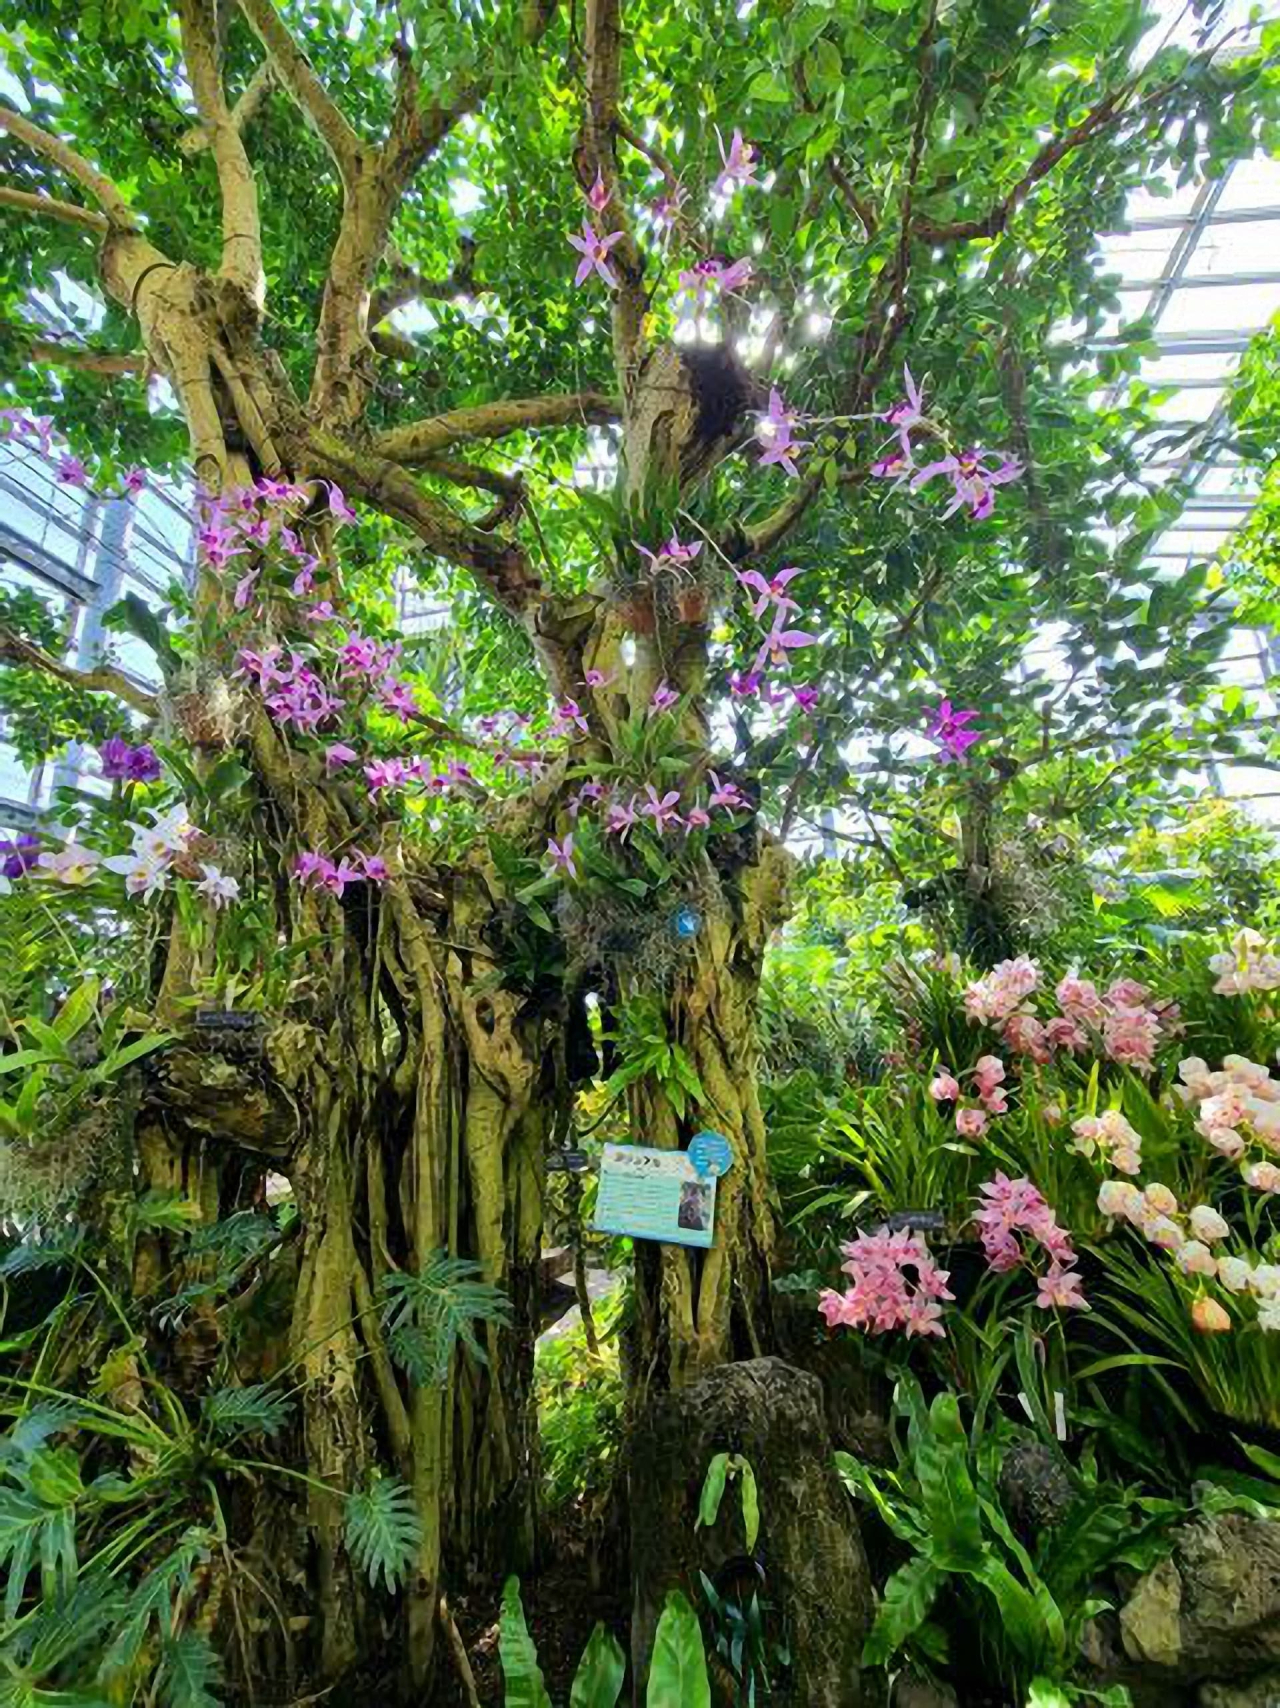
[598,1680]
[678,1672]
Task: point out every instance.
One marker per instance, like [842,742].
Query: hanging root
[458,1653]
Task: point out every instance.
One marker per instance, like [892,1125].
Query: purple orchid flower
[19,854]
[385,774]
[622,818]
[972,482]
[661,808]
[258,531]
[113,756]
[457,772]
[569,716]
[807,698]
[322,613]
[599,195]
[949,727]
[219,545]
[715,275]
[895,467]
[304,581]
[778,643]
[726,794]
[338,505]
[666,210]
[907,414]
[338,754]
[398,697]
[71,471]
[776,432]
[744,685]
[597,679]
[672,552]
[244,589]
[588,792]
[561,854]
[143,764]
[374,868]
[697,818]
[594,250]
[135,481]
[773,592]
[738,166]
[336,878]
[664,697]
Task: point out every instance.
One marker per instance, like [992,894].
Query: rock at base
[816,1583]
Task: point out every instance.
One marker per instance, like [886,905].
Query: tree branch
[241,228]
[75,166]
[48,207]
[423,439]
[104,362]
[602,50]
[104,679]
[510,487]
[409,286]
[298,78]
[243,113]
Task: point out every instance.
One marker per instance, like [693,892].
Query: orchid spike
[778,643]
[594,250]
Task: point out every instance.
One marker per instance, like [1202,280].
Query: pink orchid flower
[672,552]
[697,818]
[597,679]
[135,481]
[772,592]
[336,878]
[338,505]
[594,250]
[776,433]
[599,195]
[894,468]
[949,727]
[398,697]
[661,808]
[338,754]
[807,698]
[727,794]
[71,471]
[778,643]
[972,482]
[244,589]
[664,697]
[622,818]
[385,774]
[666,210]
[744,685]
[907,414]
[561,854]
[375,868]
[738,166]
[322,613]
[716,276]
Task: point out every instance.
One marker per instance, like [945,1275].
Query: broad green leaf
[908,1596]
[523,1677]
[712,1491]
[598,1680]
[678,1670]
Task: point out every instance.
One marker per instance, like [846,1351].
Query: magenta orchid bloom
[907,414]
[398,697]
[772,592]
[336,878]
[218,545]
[569,716]
[697,818]
[594,250]
[622,819]
[895,467]
[338,506]
[661,808]
[322,613]
[562,855]
[375,868]
[599,195]
[596,679]
[385,773]
[744,685]
[664,697]
[715,275]
[672,552]
[457,772]
[71,471]
[338,754]
[776,433]
[244,589]
[738,165]
[807,698]
[778,643]
[972,482]
[666,210]
[135,481]
[727,795]
[949,727]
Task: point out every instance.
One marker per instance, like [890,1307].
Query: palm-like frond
[383,1530]
[189,1672]
[427,1315]
[255,1410]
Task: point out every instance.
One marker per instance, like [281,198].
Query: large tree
[340,233]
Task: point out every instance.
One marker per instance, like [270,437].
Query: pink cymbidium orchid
[973,482]
[771,592]
[594,250]
[738,166]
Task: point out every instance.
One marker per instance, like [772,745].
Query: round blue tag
[711,1153]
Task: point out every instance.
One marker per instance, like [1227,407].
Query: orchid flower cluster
[660,810]
[1237,1110]
[988,1087]
[319,872]
[1014,1207]
[897,1284]
[122,763]
[1250,964]
[1124,1022]
[1111,1138]
[779,641]
[1192,1239]
[39,430]
[974,473]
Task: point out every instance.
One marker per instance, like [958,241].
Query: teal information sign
[652,1194]
[711,1153]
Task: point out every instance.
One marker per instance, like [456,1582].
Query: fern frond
[189,1672]
[232,1412]
[427,1315]
[383,1530]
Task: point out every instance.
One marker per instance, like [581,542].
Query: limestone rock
[1261,1692]
[911,1692]
[816,1584]
[1035,1488]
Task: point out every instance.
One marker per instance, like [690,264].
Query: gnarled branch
[75,166]
[49,207]
[422,439]
[409,286]
[103,679]
[241,228]
[298,79]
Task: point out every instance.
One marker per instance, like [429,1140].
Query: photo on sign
[654,1194]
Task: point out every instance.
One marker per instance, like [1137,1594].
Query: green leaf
[750,1505]
[908,1597]
[520,1670]
[48,1039]
[947,1494]
[1262,1458]
[712,1491]
[598,1680]
[383,1530]
[678,1670]
[77,1011]
[189,1671]
[427,1316]
[229,1413]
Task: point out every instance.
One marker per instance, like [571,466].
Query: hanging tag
[1060,1417]
[1025,1403]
